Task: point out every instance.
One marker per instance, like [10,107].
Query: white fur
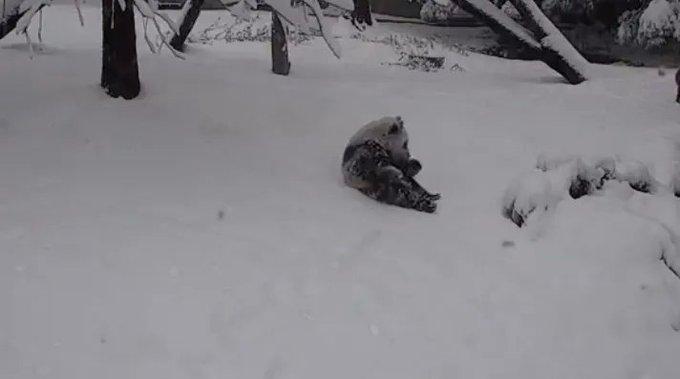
[379,131]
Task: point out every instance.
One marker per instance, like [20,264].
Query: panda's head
[395,139]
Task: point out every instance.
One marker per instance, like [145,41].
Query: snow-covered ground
[203,230]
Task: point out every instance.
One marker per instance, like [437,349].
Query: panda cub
[377,162]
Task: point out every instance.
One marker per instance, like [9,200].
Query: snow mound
[618,183]
[556,176]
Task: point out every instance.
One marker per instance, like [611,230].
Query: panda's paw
[434,196]
[426,205]
[413,168]
[389,174]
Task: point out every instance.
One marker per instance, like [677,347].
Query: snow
[203,230]
[532,197]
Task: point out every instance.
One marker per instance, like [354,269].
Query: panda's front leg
[412,168]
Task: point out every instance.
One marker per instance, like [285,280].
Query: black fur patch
[349,152]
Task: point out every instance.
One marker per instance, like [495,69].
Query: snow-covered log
[501,23]
[557,51]
[544,41]
[190,12]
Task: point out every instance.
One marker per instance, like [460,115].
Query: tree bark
[362,13]
[280,62]
[120,72]
[187,24]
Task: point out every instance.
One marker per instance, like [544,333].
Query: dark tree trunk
[120,73]
[361,13]
[280,62]
[188,22]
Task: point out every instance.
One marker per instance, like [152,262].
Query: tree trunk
[361,13]
[502,25]
[557,51]
[187,23]
[546,43]
[120,73]
[280,62]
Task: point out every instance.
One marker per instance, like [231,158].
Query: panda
[378,163]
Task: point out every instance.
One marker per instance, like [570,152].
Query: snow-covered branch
[297,15]
[149,11]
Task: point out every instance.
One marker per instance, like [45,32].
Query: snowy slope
[203,231]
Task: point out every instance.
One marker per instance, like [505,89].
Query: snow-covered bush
[560,177]
[416,53]
[659,23]
[647,23]
[437,11]
[603,12]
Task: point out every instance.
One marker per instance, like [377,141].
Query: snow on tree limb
[499,20]
[242,10]
[347,5]
[297,16]
[292,15]
[29,9]
[543,41]
[552,40]
[149,11]
[325,27]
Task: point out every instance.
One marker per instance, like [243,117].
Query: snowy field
[203,230]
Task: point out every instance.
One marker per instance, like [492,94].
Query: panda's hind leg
[402,191]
